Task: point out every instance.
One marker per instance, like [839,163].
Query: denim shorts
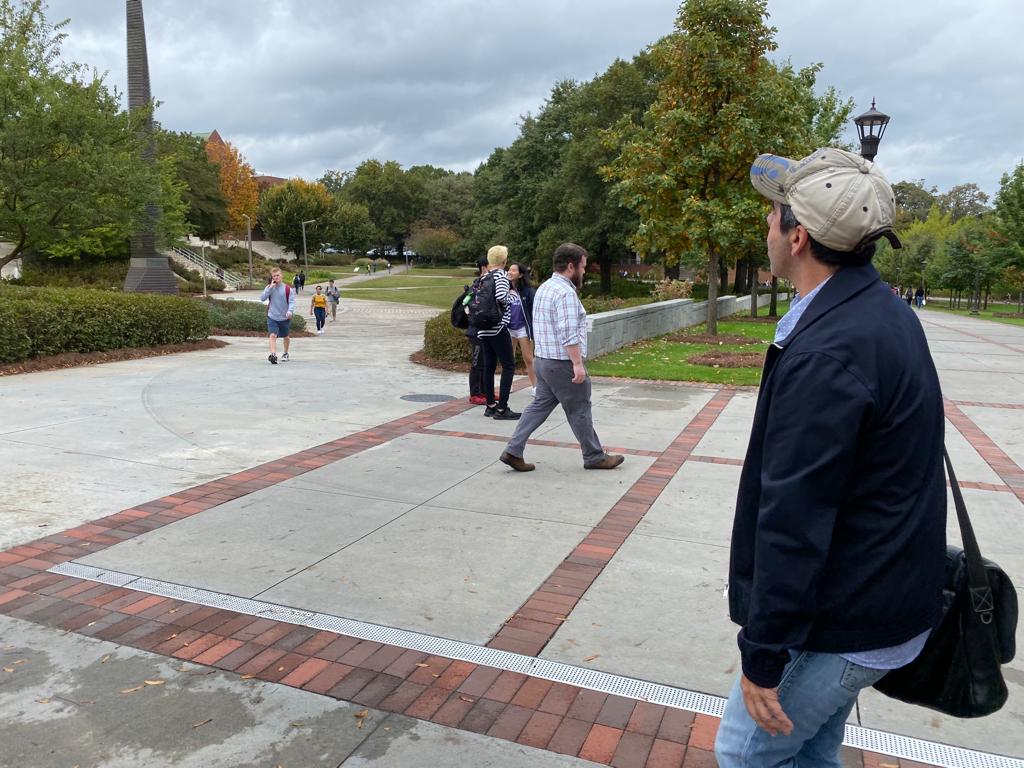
[278,328]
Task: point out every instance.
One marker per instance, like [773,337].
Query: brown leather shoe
[516,462]
[610,461]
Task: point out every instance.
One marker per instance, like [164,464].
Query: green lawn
[940,305]
[670,360]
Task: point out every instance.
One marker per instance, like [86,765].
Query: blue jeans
[817,693]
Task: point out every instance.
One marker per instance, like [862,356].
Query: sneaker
[610,461]
[320,332]
[516,462]
[478,400]
[489,411]
[284,358]
[272,358]
[506,415]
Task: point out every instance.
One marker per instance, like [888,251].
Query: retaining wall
[607,331]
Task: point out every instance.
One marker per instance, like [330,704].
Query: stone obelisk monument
[149,271]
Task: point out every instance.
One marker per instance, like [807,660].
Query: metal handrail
[229,278]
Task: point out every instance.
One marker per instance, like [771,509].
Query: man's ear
[799,239]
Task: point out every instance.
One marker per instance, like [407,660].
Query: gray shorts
[278,328]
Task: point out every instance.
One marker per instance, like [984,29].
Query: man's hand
[579,373]
[288,316]
[763,706]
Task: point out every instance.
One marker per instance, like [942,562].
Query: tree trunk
[773,307]
[737,284]
[604,256]
[753,296]
[723,277]
[713,269]
[672,272]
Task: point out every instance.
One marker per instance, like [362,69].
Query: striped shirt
[559,320]
[501,291]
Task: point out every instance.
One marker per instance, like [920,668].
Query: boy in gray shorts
[279,313]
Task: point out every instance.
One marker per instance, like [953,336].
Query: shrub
[667,290]
[243,315]
[443,342]
[48,321]
[602,304]
[81,274]
[621,288]
[194,279]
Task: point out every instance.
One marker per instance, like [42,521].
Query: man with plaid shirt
[560,338]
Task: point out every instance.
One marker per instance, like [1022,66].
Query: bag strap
[981,591]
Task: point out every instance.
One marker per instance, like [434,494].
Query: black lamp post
[870,127]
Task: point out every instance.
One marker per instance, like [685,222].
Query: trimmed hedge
[443,342]
[49,321]
[244,315]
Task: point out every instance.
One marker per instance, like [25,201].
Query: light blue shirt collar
[797,308]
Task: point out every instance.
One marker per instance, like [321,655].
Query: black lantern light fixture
[870,127]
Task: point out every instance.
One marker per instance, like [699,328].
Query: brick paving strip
[604,728]
[1007,469]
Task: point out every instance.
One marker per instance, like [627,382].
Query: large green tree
[685,171]
[71,172]
[1009,218]
[207,212]
[394,198]
[349,226]
[283,209]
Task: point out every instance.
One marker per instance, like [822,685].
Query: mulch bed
[703,338]
[256,334]
[420,358]
[714,359]
[749,319]
[1008,314]
[76,359]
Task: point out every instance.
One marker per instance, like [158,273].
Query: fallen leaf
[20,661]
[591,658]
[421,664]
[362,713]
[360,717]
[173,610]
[90,623]
[280,669]
[197,725]
[154,682]
[105,659]
[467,699]
[297,724]
[433,675]
[247,677]
[8,669]
[133,690]
[173,636]
[42,701]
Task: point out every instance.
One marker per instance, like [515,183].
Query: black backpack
[484,312]
[459,317]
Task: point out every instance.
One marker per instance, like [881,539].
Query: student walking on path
[333,297]
[318,308]
[280,308]
[560,332]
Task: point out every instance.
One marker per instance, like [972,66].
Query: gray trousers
[554,387]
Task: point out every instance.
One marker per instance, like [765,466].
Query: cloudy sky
[301,86]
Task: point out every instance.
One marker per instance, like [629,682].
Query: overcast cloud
[304,86]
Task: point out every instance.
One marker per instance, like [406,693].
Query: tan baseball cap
[840,198]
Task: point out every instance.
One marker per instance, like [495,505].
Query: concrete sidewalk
[404,520]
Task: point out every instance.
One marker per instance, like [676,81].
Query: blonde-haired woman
[496,340]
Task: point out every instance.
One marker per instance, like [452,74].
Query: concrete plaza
[313,486]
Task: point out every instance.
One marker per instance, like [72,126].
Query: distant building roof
[266,182]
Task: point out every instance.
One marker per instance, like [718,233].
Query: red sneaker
[478,400]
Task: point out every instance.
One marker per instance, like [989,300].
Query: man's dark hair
[823,253]
[566,254]
[481,263]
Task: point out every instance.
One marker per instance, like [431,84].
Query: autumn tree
[284,207]
[72,178]
[721,103]
[237,183]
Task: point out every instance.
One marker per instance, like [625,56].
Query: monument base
[151,275]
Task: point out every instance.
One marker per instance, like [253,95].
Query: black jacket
[838,544]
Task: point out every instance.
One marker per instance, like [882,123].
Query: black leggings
[497,348]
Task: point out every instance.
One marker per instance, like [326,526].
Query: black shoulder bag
[958,670]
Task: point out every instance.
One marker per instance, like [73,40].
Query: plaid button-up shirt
[559,319]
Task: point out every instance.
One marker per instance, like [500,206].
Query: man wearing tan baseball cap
[838,543]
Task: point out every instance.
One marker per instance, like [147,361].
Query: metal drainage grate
[679,698]
[427,398]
